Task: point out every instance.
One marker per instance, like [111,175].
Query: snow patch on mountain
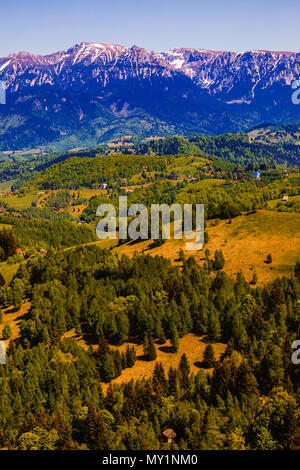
[4,65]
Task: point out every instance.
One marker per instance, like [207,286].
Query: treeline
[43,233]
[237,149]
[43,213]
[231,201]
[234,148]
[76,171]
[21,169]
[169,146]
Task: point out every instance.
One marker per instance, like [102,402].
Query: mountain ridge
[108,88]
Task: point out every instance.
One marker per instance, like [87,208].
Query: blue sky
[41,26]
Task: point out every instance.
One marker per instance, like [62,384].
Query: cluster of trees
[59,200]
[35,233]
[237,148]
[19,170]
[110,362]
[234,148]
[223,202]
[8,244]
[170,146]
[215,264]
[85,171]
[23,168]
[231,201]
[44,213]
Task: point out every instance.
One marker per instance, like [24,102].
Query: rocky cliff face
[182,90]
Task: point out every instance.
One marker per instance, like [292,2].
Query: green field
[20,202]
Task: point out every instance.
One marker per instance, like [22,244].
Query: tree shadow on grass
[198,364]
[166,349]
[206,339]
[142,357]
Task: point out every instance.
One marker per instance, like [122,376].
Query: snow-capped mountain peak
[181,86]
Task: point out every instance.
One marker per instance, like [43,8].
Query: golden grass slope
[245,243]
[192,345]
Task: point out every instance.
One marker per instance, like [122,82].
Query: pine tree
[256,323]
[173,381]
[245,381]
[130,356]
[18,291]
[103,348]
[11,350]
[6,332]
[64,431]
[108,370]
[184,369]
[297,270]
[159,378]
[254,278]
[269,259]
[124,360]
[181,255]
[149,349]
[174,339]
[118,362]
[146,347]
[209,359]
[228,350]
[219,261]
[96,436]
[152,355]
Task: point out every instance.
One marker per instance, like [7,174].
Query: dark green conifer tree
[209,359]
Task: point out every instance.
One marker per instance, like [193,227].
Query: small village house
[170,434]
[256,175]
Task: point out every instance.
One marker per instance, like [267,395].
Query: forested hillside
[223,201]
[228,152]
[51,393]
[235,148]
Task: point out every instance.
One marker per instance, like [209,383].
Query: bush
[6,332]
[269,259]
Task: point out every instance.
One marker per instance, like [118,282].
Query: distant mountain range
[94,93]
